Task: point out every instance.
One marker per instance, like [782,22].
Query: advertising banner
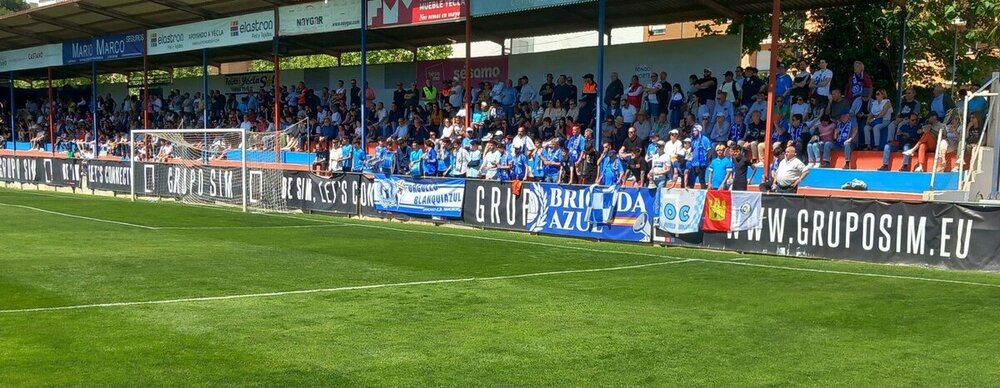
[429,197]
[482,69]
[249,82]
[310,192]
[312,18]
[109,175]
[43,171]
[394,13]
[231,31]
[566,210]
[949,235]
[492,204]
[681,210]
[103,48]
[495,7]
[31,58]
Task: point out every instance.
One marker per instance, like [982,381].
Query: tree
[354,58]
[870,33]
[9,6]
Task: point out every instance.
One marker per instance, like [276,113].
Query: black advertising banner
[492,204]
[109,175]
[937,234]
[46,171]
[310,192]
[211,184]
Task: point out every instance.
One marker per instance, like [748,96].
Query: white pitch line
[742,263]
[80,217]
[338,289]
[250,227]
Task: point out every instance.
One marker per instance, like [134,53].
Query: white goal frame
[242,148]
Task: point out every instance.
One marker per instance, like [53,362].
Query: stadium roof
[77,19]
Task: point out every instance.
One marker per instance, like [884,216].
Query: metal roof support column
[364,75]
[93,108]
[204,85]
[771,78]
[903,17]
[145,88]
[467,100]
[601,28]
[13,111]
[52,115]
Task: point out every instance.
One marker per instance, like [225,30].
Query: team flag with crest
[602,205]
[730,211]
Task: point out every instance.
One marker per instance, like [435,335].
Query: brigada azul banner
[566,210]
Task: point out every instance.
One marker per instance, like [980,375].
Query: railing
[965,179]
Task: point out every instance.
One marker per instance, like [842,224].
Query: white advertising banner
[31,58]
[312,18]
[231,31]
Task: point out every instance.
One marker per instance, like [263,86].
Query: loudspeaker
[280,46]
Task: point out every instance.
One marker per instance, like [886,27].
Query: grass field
[390,304]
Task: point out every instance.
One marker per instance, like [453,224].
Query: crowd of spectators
[708,131]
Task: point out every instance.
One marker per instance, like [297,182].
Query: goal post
[225,167]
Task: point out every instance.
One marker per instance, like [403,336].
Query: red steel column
[771,78]
[52,116]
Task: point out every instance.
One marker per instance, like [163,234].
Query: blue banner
[568,210]
[422,196]
[103,48]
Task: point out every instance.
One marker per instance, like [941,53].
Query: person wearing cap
[673,143]
[719,128]
[682,164]
[906,135]
[651,92]
[660,165]
[846,135]
[611,171]
[700,147]
[652,148]
[706,88]
[643,127]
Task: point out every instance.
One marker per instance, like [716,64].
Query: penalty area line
[341,289]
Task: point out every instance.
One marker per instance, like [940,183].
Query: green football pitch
[98,291]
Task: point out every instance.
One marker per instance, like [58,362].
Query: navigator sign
[237,30]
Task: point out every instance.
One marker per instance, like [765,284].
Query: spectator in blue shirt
[783,82]
[700,147]
[358,157]
[416,159]
[611,170]
[552,157]
[720,171]
[906,137]
[430,159]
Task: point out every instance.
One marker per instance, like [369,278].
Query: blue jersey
[699,151]
[358,158]
[347,152]
[444,160]
[502,173]
[553,155]
[519,167]
[536,166]
[611,170]
[430,163]
[576,146]
[719,167]
[415,162]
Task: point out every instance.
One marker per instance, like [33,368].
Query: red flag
[516,187]
[718,211]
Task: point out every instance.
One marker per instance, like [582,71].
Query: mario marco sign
[620,214]
[429,197]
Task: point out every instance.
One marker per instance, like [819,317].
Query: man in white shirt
[490,161]
[628,114]
[402,130]
[652,102]
[791,172]
[457,96]
[522,140]
[821,81]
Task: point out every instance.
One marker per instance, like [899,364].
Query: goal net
[206,166]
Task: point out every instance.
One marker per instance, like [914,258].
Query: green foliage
[9,6]
[870,33]
[354,58]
